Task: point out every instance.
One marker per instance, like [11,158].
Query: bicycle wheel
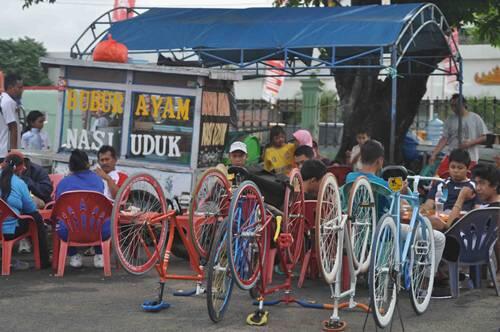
[362,222]
[328,220]
[383,277]
[209,205]
[422,266]
[219,278]
[293,221]
[247,236]
[138,225]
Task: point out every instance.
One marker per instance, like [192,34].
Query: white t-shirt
[116,177]
[8,115]
[472,128]
[356,150]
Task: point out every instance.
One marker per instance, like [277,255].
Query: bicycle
[242,252]
[414,260]
[143,221]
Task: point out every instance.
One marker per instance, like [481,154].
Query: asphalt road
[85,301]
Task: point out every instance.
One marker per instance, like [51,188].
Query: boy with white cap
[238,154]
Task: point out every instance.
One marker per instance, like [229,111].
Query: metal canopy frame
[385,58]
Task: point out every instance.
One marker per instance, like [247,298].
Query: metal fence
[256,116]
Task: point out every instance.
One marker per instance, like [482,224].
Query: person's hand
[466,144]
[432,159]
[102,174]
[348,154]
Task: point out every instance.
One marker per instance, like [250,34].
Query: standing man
[473,133]
[113,179]
[9,130]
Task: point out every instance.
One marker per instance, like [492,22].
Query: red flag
[121,14]
[272,85]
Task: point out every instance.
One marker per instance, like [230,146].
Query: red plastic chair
[7,245]
[340,172]
[72,209]
[55,179]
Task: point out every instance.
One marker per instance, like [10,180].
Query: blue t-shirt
[454,188]
[20,201]
[84,180]
[383,202]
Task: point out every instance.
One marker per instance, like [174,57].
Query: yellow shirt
[279,160]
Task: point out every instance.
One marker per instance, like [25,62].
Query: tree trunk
[365,102]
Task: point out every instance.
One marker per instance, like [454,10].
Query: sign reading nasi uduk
[161,125]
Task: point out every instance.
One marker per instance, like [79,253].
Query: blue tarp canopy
[245,35]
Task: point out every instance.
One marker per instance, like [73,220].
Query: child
[278,157]
[33,138]
[458,166]
[362,136]
[238,154]
[303,137]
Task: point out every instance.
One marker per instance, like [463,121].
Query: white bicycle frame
[344,239]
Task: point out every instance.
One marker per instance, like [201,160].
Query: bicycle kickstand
[157,305]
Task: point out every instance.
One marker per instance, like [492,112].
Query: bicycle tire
[134,239]
[247,238]
[383,278]
[218,267]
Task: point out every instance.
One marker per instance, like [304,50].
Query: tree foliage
[21,57]
[483,14]
[28,3]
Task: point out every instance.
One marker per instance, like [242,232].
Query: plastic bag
[110,51]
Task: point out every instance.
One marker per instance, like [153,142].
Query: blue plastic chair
[476,235]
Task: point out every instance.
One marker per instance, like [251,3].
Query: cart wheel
[138,229]
[328,218]
[362,222]
[294,217]
[209,206]
[247,238]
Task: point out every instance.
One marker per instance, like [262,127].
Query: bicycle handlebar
[417,178]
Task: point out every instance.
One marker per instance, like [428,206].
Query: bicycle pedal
[285,240]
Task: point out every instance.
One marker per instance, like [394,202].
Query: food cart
[171,122]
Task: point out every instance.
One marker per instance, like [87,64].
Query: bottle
[438,199]
[434,130]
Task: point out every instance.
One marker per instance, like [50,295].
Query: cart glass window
[91,118]
[162,128]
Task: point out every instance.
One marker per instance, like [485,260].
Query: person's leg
[62,232]
[106,233]
[42,240]
[21,229]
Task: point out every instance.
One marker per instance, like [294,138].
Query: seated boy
[278,156]
[458,166]
[372,160]
[312,172]
[301,154]
[487,179]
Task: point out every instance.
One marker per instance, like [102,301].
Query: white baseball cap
[238,146]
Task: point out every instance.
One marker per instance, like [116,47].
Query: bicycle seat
[236,170]
[394,172]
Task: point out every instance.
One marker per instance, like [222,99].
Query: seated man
[301,154]
[39,184]
[459,161]
[372,160]
[112,179]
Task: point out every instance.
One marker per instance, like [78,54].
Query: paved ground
[84,301]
